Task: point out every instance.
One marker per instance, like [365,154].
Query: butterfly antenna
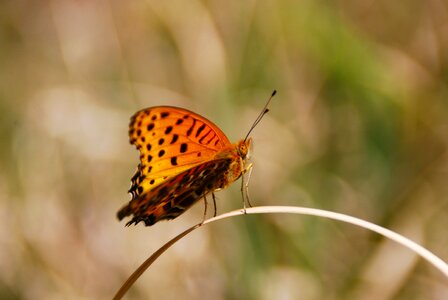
[260,116]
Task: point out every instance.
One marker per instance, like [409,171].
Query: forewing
[170,140]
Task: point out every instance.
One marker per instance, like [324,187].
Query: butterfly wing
[175,195]
[170,140]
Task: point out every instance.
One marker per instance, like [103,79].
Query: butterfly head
[243,148]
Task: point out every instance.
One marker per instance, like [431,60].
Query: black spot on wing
[175,138]
[141,178]
[190,130]
[204,136]
[214,135]
[200,129]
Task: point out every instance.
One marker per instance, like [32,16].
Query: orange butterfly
[183,157]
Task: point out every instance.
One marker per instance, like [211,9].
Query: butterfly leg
[205,209]
[214,204]
[245,186]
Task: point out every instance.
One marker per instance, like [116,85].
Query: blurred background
[359,126]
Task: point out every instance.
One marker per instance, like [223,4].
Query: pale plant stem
[423,252]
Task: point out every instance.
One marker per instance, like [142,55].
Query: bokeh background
[359,126]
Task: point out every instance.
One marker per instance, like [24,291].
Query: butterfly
[183,158]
